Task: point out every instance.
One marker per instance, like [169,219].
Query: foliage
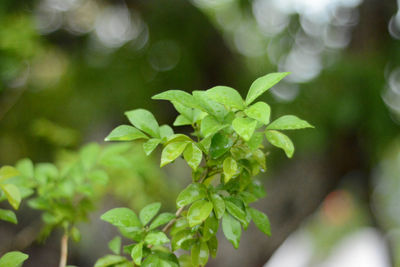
[224,158]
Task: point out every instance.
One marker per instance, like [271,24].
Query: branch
[64,250]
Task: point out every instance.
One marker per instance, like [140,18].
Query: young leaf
[232,229]
[190,194]
[178,96]
[166,131]
[209,125]
[181,121]
[150,145]
[261,221]
[193,155]
[172,151]
[200,254]
[280,140]
[148,212]
[8,172]
[13,259]
[156,238]
[121,217]
[137,253]
[115,245]
[198,212]
[12,193]
[211,107]
[110,260]
[226,96]
[244,127]
[230,167]
[161,219]
[125,133]
[259,111]
[262,84]
[219,205]
[220,144]
[145,121]
[8,215]
[289,122]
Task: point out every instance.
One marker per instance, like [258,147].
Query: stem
[178,212]
[64,250]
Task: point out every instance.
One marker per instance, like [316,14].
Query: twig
[178,212]
[64,250]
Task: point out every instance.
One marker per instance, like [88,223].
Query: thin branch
[64,250]
[178,212]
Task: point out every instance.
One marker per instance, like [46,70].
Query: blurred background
[70,68]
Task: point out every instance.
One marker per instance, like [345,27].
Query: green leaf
[193,155]
[25,167]
[220,144]
[200,254]
[121,217]
[109,260]
[262,84]
[259,111]
[261,221]
[209,125]
[75,234]
[280,140]
[226,96]
[12,193]
[13,259]
[156,238]
[199,212]
[182,120]
[8,215]
[150,145]
[7,172]
[148,212]
[219,205]
[244,127]
[211,226]
[208,105]
[190,194]
[255,141]
[289,122]
[166,131]
[145,121]
[137,253]
[213,246]
[182,240]
[161,219]
[172,151]
[230,167]
[232,229]
[178,96]
[125,133]
[115,245]
[236,212]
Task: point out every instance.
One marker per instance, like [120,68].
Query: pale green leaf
[7,172]
[178,96]
[199,253]
[148,212]
[13,259]
[229,167]
[150,145]
[262,84]
[115,245]
[166,131]
[12,193]
[190,194]
[109,260]
[232,229]
[236,212]
[289,122]
[162,219]
[25,167]
[209,106]
[193,155]
[145,121]
[172,151]
[226,96]
[125,133]
[182,120]
[244,127]
[198,212]
[137,253]
[219,205]
[121,217]
[8,215]
[259,111]
[156,238]
[280,140]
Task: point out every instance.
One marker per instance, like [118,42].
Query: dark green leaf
[148,212]
[259,111]
[198,212]
[289,122]
[145,121]
[13,259]
[193,155]
[244,127]
[172,151]
[220,144]
[8,215]
[190,194]
[125,133]
[226,96]
[280,140]
[261,221]
[161,219]
[210,227]
[232,229]
[213,246]
[262,84]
